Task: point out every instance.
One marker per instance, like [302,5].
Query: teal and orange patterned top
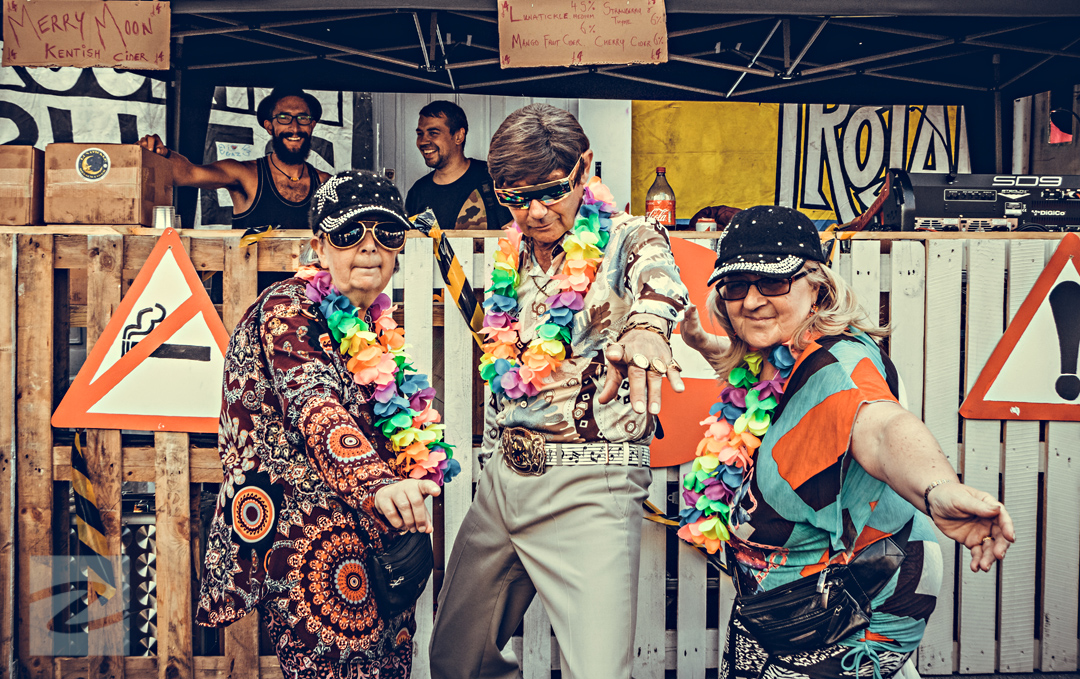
[811,504]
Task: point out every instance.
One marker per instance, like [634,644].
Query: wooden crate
[22,170]
[104,184]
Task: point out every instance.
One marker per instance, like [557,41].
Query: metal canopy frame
[956,60]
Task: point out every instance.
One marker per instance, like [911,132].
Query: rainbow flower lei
[723,465]
[504,366]
[402,395]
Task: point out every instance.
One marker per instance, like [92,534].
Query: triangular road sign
[1032,374]
[158,364]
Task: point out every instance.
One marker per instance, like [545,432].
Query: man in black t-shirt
[460,190]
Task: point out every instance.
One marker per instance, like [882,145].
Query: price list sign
[581,32]
[86,33]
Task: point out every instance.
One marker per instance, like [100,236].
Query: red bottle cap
[661,169]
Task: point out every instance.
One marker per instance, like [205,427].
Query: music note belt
[528,454]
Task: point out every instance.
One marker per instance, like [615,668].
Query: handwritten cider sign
[580,32]
[86,33]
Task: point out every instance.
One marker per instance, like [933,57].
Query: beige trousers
[573,536]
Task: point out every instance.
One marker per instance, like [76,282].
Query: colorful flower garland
[504,366]
[403,396]
[720,475]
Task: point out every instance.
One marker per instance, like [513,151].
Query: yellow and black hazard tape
[89,526]
[460,289]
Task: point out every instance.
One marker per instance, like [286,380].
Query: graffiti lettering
[833,159]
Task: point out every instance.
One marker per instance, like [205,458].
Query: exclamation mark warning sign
[1032,373]
[1065,303]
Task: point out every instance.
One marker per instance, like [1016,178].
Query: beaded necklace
[723,464]
[510,368]
[375,355]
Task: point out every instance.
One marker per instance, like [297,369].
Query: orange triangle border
[975,405]
[82,395]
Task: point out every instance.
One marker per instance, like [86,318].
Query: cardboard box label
[581,32]
[93,164]
[87,33]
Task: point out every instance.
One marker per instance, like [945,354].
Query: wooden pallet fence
[945,298]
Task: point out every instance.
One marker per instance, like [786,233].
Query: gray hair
[533,142]
[838,311]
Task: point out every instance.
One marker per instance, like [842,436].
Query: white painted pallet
[417,264]
[941,399]
[1020,482]
[982,449]
[924,282]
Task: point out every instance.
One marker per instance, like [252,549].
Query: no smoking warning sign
[158,364]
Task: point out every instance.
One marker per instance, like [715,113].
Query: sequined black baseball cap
[353,196]
[767,240]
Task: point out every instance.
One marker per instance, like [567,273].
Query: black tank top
[270,208]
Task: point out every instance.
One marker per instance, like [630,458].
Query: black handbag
[399,572]
[819,610]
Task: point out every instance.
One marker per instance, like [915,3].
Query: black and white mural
[39,106]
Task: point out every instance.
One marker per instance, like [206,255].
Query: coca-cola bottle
[660,200]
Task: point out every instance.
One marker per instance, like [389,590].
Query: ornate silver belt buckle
[524,452]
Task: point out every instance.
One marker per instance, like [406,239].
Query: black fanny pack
[819,610]
[399,573]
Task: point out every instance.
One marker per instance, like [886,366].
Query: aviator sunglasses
[547,193]
[389,235]
[730,291]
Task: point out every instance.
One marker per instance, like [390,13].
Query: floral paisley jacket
[295,517]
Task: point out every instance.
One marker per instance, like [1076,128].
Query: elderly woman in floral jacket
[329,446]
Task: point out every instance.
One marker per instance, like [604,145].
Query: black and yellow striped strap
[452,273]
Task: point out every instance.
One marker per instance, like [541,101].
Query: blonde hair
[838,311]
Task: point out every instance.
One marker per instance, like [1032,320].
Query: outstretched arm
[223,174]
[894,446]
[711,347]
[658,299]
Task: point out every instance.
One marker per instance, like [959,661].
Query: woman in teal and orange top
[808,457]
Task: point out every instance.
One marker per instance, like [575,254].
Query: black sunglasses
[287,118]
[548,193]
[730,291]
[389,235]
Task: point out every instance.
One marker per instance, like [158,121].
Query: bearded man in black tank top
[274,190]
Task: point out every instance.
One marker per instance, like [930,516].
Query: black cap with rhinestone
[767,240]
[354,195]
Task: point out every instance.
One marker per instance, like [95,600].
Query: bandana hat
[767,240]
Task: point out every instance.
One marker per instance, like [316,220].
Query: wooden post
[104,456]
[536,642]
[172,473]
[982,450]
[239,290]
[650,644]
[690,629]
[34,386]
[1060,547]
[941,396]
[418,265]
[1021,493]
[7,443]
[907,308]
[239,281]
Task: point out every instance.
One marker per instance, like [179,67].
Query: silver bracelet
[926,493]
